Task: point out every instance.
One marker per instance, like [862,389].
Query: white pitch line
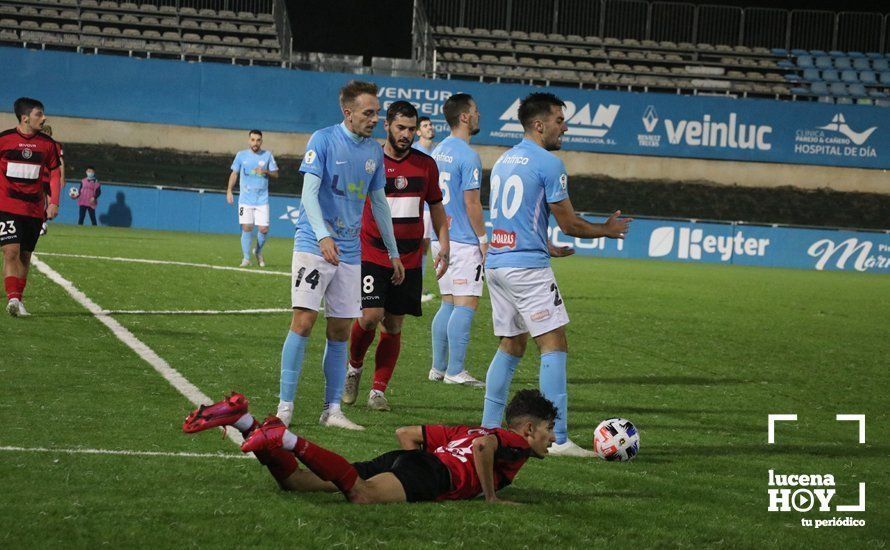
[121,453]
[177,380]
[165,262]
[194,311]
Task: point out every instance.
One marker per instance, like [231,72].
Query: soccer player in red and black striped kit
[28,158]
[412,179]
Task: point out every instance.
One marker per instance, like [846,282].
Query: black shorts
[422,474]
[24,230]
[378,290]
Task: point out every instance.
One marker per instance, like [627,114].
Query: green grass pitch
[696,355]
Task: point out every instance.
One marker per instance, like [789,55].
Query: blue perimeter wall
[227,96]
[727,243]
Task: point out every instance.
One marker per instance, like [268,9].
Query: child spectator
[90,189]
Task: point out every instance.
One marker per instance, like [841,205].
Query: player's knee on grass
[514,345]
[302,321]
[392,324]
[555,340]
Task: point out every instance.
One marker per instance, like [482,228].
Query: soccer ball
[616,439]
[74,192]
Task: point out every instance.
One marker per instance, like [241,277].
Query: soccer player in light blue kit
[426,133]
[342,166]
[460,172]
[255,166]
[527,183]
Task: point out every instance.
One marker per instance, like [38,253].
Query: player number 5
[444,178]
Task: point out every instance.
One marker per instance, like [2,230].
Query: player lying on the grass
[435,462]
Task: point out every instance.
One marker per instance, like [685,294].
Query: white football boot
[336,419]
[464,378]
[436,376]
[285,412]
[570,448]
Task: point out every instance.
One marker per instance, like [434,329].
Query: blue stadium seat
[812,75]
[885,78]
[793,77]
[843,100]
[849,76]
[779,51]
[797,52]
[785,64]
[836,53]
[804,61]
[824,62]
[861,64]
[857,90]
[819,88]
[830,76]
[800,90]
[874,55]
[882,102]
[843,63]
[877,94]
[856,54]
[880,64]
[837,89]
[826,99]
[868,77]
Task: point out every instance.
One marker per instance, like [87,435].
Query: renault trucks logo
[841,252]
[836,139]
[731,133]
[586,124]
[691,244]
[503,239]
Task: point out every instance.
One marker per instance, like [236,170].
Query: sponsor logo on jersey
[370,166]
[503,239]
[26,154]
[542,315]
[310,157]
[401,183]
[563,181]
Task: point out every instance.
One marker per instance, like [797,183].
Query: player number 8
[368,284]
[510,202]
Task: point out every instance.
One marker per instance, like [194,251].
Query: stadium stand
[144,29]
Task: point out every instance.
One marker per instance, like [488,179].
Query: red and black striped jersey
[410,182]
[453,445]
[25,162]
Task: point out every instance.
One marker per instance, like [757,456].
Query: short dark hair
[535,105]
[257,132]
[402,108]
[355,88]
[530,404]
[455,106]
[422,119]
[24,105]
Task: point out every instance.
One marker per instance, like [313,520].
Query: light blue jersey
[523,181]
[254,188]
[459,170]
[349,170]
[422,149]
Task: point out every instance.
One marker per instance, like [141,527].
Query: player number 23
[7,228]
[510,200]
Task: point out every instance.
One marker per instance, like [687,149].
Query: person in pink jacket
[90,189]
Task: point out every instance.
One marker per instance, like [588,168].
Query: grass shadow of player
[119,214]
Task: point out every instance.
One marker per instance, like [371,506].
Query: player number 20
[510,200]
[7,228]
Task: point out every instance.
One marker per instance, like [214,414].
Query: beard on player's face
[399,143]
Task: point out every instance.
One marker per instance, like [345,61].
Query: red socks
[15,287]
[387,354]
[281,463]
[327,465]
[359,342]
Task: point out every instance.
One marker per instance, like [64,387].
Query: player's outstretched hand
[441,262]
[52,211]
[560,251]
[502,501]
[329,251]
[398,275]
[617,227]
[230,198]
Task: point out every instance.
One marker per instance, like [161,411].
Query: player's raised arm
[574,225]
[410,437]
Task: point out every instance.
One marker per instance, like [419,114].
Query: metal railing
[674,21]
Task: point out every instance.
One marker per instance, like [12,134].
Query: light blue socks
[291,364]
[246,239]
[458,338]
[260,241]
[334,371]
[497,388]
[552,380]
[440,336]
